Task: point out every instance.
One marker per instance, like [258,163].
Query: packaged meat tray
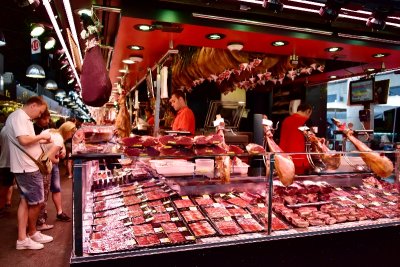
[216,211]
[249,224]
[202,229]
[192,214]
[184,202]
[204,200]
[276,224]
[237,211]
[143,229]
[148,240]
[227,226]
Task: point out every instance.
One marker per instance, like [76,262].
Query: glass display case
[138,206]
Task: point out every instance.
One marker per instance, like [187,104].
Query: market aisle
[56,253]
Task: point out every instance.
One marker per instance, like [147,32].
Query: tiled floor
[56,253]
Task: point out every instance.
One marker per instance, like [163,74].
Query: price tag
[392,203]
[158,230]
[355,188]
[387,193]
[182,229]
[217,205]
[190,237]
[170,209]
[261,205]
[371,195]
[227,219]
[130,242]
[192,208]
[165,240]
[361,206]
[206,196]
[185,197]
[377,204]
[358,196]
[247,216]
[166,202]
[221,195]
[338,189]
[128,223]
[143,206]
[174,219]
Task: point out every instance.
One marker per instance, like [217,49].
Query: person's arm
[27,140]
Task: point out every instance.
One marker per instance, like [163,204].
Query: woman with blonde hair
[55,151]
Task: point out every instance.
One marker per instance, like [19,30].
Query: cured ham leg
[331,160]
[283,163]
[380,165]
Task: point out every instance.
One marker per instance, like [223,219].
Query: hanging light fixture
[60,93]
[235,46]
[50,43]
[35,71]
[50,85]
[2,39]
[37,29]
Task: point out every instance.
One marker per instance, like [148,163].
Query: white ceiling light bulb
[235,46]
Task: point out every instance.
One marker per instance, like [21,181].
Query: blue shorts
[30,185]
[55,185]
[6,177]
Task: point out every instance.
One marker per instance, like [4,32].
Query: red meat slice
[204,201]
[217,212]
[209,150]
[161,217]
[148,240]
[227,227]
[235,149]
[192,215]
[202,229]
[249,225]
[176,237]
[132,141]
[183,203]
[214,139]
[144,229]
[255,149]
[238,202]
[169,227]
[200,140]
[184,141]
[149,141]
[167,140]
[237,211]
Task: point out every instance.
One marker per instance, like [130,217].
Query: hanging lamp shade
[60,93]
[50,85]
[35,71]
[2,39]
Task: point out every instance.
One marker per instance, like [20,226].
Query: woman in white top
[55,151]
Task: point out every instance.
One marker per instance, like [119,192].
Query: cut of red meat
[209,150]
[214,139]
[169,227]
[236,211]
[249,225]
[330,221]
[192,215]
[298,222]
[200,140]
[235,150]
[217,212]
[202,229]
[131,200]
[148,141]
[204,201]
[255,149]
[132,141]
[148,240]
[258,210]
[167,140]
[184,141]
[315,222]
[238,202]
[290,200]
[144,229]
[161,217]
[183,203]
[176,237]
[227,227]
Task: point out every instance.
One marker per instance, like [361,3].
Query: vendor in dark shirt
[293,140]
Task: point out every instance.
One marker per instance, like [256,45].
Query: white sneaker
[41,238]
[28,244]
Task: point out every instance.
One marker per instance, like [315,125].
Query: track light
[331,9]
[377,21]
[2,39]
[273,5]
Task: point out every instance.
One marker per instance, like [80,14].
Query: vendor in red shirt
[293,140]
[149,116]
[184,120]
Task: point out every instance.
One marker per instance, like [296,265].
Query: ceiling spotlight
[60,93]
[273,5]
[370,69]
[135,47]
[332,77]
[279,43]
[143,27]
[37,29]
[379,55]
[128,61]
[35,71]
[331,9]
[215,36]
[334,49]
[50,42]
[2,39]
[235,46]
[377,21]
[85,11]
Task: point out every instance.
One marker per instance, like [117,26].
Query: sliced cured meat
[204,201]
[255,149]
[184,141]
[202,229]
[227,227]
[217,212]
[167,140]
[132,141]
[169,227]
[149,141]
[214,139]
[192,215]
[161,217]
[249,225]
[183,203]
[144,229]
[238,202]
[209,150]
[176,237]
[148,240]
[200,140]
[236,211]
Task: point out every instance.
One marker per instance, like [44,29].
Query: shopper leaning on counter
[27,174]
[56,151]
[184,120]
[292,140]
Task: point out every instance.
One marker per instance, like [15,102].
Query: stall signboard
[35,46]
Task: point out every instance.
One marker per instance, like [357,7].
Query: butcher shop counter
[134,215]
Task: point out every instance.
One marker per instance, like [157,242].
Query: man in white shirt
[21,135]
